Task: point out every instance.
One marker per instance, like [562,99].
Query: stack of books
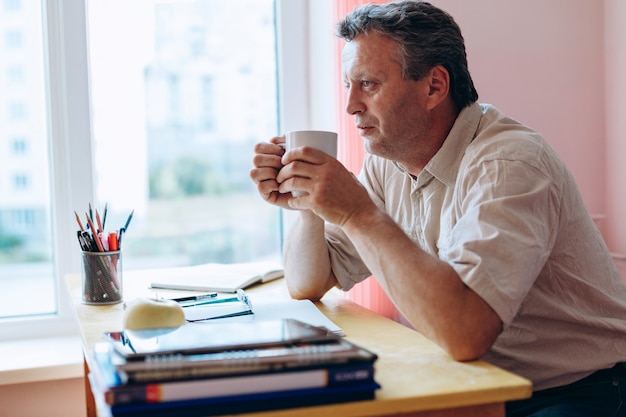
[227,368]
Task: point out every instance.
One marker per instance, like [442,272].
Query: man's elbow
[466,352]
[311,289]
[299,293]
[472,345]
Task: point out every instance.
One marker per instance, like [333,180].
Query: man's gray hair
[426,37]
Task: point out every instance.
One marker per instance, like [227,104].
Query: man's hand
[324,185]
[267,165]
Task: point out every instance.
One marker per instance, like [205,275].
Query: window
[17,111]
[207,104]
[26,255]
[180,95]
[15,75]
[22,221]
[178,153]
[19,146]
[20,182]
[12,5]
[13,39]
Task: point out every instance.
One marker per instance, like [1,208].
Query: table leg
[89,400]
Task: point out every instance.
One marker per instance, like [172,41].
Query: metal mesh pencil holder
[102,277]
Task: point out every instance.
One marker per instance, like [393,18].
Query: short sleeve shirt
[498,204]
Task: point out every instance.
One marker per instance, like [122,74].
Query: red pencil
[94,234]
[99,222]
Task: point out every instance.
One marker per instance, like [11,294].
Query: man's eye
[364,85]
[368,85]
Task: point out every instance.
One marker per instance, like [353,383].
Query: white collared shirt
[498,204]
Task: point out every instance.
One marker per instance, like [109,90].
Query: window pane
[181,91]
[25,232]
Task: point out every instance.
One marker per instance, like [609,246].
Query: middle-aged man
[468,219]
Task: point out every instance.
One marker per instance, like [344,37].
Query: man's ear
[439,83]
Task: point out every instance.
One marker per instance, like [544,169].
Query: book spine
[159,367]
[204,371]
[240,385]
[352,375]
[248,403]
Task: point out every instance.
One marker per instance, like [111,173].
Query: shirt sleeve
[344,259]
[507,220]
[346,263]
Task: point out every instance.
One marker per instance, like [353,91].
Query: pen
[119,237]
[89,242]
[113,241]
[104,241]
[195,297]
[223,300]
[84,244]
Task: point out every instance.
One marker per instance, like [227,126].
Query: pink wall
[542,63]
[560,67]
[351,152]
[615,79]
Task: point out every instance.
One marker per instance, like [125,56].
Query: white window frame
[69,125]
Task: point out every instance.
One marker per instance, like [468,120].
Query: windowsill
[37,360]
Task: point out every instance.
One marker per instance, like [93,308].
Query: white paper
[302,310]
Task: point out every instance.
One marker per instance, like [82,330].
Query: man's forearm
[428,291]
[307,263]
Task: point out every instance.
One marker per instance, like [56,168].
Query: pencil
[82,229]
[100,229]
[94,234]
[130,217]
[104,215]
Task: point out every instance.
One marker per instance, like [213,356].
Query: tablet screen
[215,336]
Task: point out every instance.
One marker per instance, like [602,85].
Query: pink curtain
[351,152]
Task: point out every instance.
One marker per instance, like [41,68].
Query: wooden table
[417,377]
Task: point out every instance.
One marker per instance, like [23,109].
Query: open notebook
[217,277]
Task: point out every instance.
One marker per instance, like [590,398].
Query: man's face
[388,110]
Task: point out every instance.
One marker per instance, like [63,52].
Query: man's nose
[354,104]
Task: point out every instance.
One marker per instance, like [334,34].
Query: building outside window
[20,182]
[26,254]
[15,75]
[19,146]
[13,39]
[198,92]
[12,5]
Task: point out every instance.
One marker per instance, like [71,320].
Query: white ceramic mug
[319,139]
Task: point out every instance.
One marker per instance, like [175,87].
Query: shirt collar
[445,164]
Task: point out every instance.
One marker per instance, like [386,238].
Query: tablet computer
[193,338]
